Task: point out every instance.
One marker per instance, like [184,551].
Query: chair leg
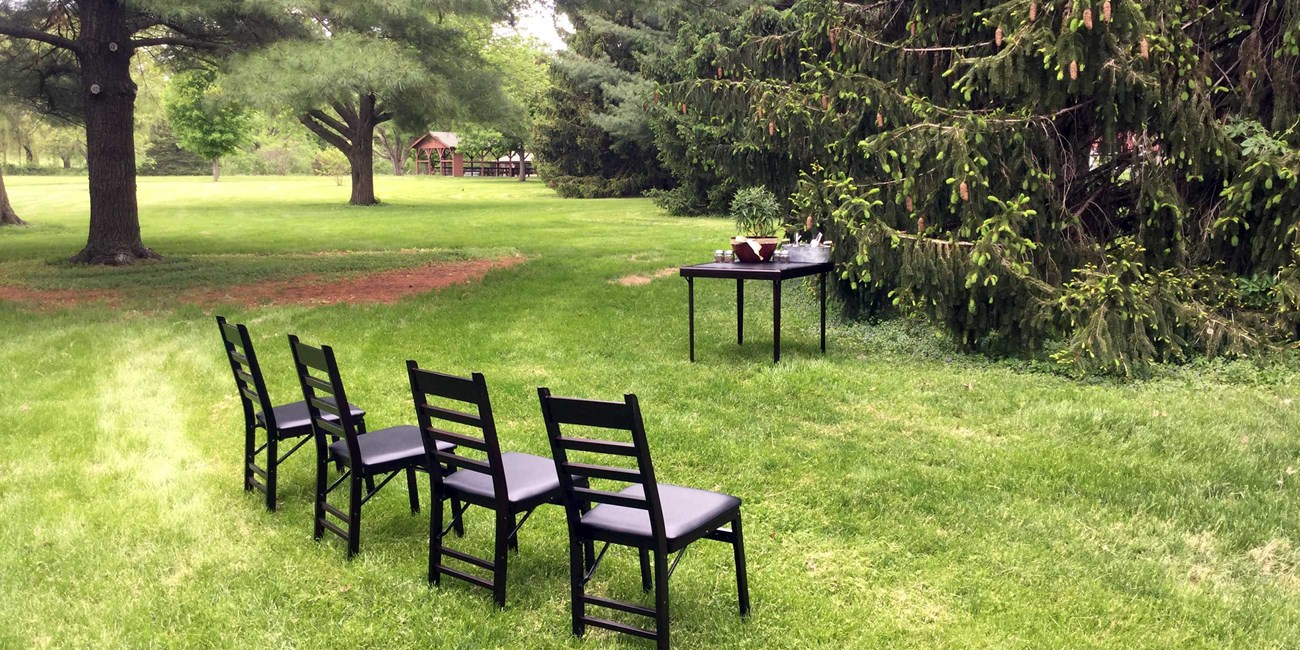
[413,490]
[458,521]
[435,538]
[272,469]
[505,525]
[250,441]
[576,594]
[322,476]
[742,580]
[354,512]
[661,599]
[646,584]
[514,539]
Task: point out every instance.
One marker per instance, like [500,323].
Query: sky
[539,21]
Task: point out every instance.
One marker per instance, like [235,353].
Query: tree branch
[19,31]
[309,121]
[173,41]
[328,120]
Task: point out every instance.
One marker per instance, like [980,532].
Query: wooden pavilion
[435,153]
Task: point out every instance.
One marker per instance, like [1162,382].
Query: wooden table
[774,272]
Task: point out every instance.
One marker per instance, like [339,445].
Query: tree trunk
[362,156]
[67,160]
[110,143]
[216,169]
[31,158]
[7,215]
[399,165]
[523,167]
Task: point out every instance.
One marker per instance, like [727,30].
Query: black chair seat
[386,446]
[688,513]
[290,418]
[528,478]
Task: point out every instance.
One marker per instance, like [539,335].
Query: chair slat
[463,462]
[468,559]
[604,471]
[312,357]
[456,438]
[318,384]
[611,498]
[245,377]
[231,333]
[450,415]
[326,406]
[620,627]
[243,360]
[591,413]
[598,446]
[619,605]
[457,573]
[330,427]
[448,386]
[251,394]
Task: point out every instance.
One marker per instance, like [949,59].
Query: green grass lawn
[896,495]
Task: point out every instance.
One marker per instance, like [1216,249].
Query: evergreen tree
[1107,174]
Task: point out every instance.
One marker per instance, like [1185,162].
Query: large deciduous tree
[369,63]
[204,123]
[1119,180]
[74,58]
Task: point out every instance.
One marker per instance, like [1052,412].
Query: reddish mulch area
[383,287]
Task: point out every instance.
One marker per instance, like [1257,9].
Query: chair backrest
[620,416]
[248,374]
[318,373]
[426,384]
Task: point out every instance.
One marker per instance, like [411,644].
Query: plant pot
[754,249]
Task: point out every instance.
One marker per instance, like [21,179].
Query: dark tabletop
[756,270]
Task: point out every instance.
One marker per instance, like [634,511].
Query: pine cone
[771,128]
[826,103]
[808,223]
[920,225]
[1033,11]
[719,72]
[880,120]
[1145,48]
[964,191]
[909,204]
[1105,11]
[997,37]
[683,108]
[1087,18]
[1074,70]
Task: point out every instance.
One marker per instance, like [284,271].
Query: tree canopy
[365,64]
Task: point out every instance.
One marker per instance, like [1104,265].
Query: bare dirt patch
[375,288]
[639,280]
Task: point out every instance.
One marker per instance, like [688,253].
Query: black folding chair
[364,456]
[281,423]
[509,484]
[658,518]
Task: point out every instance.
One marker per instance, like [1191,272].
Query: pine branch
[27,33]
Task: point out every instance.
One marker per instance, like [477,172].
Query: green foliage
[204,124]
[756,212]
[330,162]
[985,163]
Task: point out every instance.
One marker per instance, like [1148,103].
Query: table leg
[776,321]
[823,297]
[740,311]
[690,306]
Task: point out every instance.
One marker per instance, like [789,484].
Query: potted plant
[757,214]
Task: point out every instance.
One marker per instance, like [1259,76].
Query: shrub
[757,212]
